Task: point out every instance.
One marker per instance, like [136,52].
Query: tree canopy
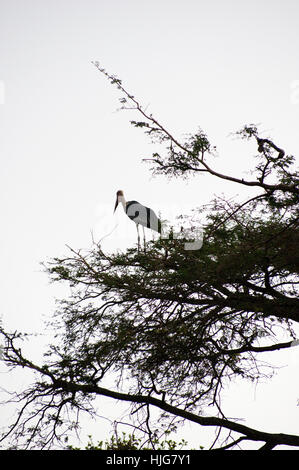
[172,326]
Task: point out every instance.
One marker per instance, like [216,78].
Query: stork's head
[119,193]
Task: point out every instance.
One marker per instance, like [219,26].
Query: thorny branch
[67,390]
[181,160]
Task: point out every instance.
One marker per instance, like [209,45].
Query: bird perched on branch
[140,214]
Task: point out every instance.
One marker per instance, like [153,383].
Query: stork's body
[140,214]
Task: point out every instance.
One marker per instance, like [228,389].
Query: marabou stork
[140,214]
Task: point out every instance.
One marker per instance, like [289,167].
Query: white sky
[65,150]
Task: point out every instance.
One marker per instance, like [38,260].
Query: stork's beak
[116,204]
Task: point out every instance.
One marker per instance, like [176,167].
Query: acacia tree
[174,326]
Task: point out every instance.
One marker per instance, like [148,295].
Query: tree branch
[250,433]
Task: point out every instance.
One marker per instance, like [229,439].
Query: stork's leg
[138,237]
[144,241]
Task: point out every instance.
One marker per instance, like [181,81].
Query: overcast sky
[65,150]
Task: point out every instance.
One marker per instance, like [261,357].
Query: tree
[173,325]
[129,443]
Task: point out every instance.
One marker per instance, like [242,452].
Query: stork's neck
[121,200]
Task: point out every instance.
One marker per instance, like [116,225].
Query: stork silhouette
[140,214]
